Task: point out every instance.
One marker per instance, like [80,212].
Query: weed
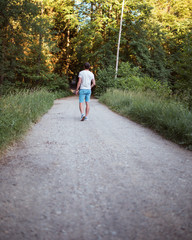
[166,116]
[18,111]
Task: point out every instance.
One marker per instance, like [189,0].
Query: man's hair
[87,65]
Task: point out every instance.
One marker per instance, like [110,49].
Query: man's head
[87,65]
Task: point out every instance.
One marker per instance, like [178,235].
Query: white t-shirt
[86,77]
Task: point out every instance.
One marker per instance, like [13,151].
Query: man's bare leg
[81,108]
[87,108]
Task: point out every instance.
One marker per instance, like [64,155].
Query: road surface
[103,179]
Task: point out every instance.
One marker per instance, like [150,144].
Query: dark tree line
[45,42]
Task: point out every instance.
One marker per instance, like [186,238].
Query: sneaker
[86,118]
[82,117]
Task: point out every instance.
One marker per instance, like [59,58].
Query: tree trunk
[117,60]
[40,41]
[3,63]
[68,51]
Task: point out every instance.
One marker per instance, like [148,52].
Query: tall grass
[18,111]
[168,117]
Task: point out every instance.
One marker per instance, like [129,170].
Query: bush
[185,96]
[104,80]
[51,81]
[56,83]
[131,78]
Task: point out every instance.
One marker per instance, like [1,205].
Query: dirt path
[104,179]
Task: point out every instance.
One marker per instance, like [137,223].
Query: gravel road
[103,179]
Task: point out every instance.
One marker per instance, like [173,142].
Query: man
[85,83]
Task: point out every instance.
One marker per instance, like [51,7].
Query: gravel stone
[107,178]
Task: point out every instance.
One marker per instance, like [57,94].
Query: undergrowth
[166,116]
[19,110]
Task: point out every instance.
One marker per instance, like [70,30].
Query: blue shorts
[84,94]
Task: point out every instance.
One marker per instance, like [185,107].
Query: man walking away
[85,83]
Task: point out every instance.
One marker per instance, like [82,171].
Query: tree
[98,34]
[19,32]
[64,29]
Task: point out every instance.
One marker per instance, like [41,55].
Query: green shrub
[184,96]
[131,78]
[56,83]
[51,81]
[104,80]
[127,70]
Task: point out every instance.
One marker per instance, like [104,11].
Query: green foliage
[18,111]
[166,116]
[105,79]
[96,41]
[63,31]
[21,36]
[183,66]
[174,18]
[42,38]
[142,41]
[28,43]
[131,78]
[58,85]
[155,37]
[52,82]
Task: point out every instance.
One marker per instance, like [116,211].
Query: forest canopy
[46,42]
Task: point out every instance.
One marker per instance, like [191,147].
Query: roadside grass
[168,117]
[19,110]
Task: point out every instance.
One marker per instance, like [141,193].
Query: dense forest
[46,42]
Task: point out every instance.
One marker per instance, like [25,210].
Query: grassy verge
[18,111]
[167,117]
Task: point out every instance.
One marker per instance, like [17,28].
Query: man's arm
[78,86]
[93,83]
